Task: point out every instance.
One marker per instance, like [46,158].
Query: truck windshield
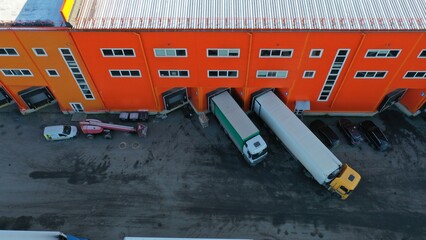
[258,155]
[67,130]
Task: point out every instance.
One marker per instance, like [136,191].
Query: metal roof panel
[251,14]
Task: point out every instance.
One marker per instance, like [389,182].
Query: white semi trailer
[318,160]
[36,235]
[237,125]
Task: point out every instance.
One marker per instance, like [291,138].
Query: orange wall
[345,96]
[413,99]
[366,94]
[310,88]
[64,88]
[23,61]
[117,93]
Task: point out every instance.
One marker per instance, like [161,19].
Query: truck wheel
[90,136]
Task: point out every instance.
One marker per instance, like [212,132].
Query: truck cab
[255,150]
[345,182]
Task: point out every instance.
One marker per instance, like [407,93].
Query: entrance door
[391,98]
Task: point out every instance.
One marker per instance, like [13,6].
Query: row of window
[217,52]
[370,74]
[116,73]
[76,73]
[412,74]
[235,52]
[333,74]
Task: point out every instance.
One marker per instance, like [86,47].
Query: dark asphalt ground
[186,181]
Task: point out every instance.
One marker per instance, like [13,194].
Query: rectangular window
[173,73]
[336,67]
[8,52]
[271,74]
[52,72]
[382,53]
[316,53]
[77,107]
[415,74]
[17,72]
[222,73]
[125,73]
[309,74]
[170,52]
[370,74]
[118,52]
[422,54]
[220,52]
[75,71]
[275,53]
[39,52]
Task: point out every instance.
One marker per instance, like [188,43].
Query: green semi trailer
[238,127]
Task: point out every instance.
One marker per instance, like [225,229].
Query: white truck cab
[59,132]
[255,150]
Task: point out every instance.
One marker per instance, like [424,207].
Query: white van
[59,132]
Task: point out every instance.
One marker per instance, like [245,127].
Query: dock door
[36,97]
[174,98]
[4,98]
[391,98]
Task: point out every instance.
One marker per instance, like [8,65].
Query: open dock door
[174,98]
[5,99]
[391,98]
[36,97]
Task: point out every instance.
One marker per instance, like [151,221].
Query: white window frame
[223,49]
[422,51]
[125,70]
[15,69]
[170,70]
[227,73]
[39,55]
[333,74]
[75,108]
[77,73]
[416,72]
[48,73]
[387,51]
[316,49]
[276,49]
[170,50]
[272,71]
[371,71]
[118,49]
[7,54]
[309,71]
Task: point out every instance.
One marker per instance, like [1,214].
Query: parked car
[59,132]
[351,131]
[375,136]
[324,133]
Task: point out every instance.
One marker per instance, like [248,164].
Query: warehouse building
[347,57]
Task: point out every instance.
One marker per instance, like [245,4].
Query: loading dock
[174,98]
[5,99]
[37,97]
